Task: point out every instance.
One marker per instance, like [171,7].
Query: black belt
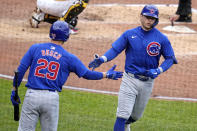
[139,77]
[52,90]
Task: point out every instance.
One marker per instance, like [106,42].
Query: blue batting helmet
[151,10]
[59,31]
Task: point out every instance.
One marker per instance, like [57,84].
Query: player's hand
[153,73]
[14,102]
[96,62]
[112,74]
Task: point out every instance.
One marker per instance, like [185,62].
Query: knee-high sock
[119,124]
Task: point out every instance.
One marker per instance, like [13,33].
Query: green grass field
[83,111]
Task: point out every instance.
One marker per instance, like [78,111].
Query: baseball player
[52,10]
[143,46]
[50,65]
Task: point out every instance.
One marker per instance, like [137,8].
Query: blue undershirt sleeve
[167,51]
[24,65]
[93,75]
[21,72]
[167,64]
[111,54]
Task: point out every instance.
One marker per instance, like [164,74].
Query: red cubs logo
[152,11]
[53,35]
[153,48]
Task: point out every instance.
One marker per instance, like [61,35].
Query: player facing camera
[149,17]
[143,47]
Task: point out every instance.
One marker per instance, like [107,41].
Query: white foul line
[90,90]
[108,92]
[175,98]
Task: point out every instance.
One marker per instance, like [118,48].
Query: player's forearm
[110,55]
[167,64]
[94,75]
[21,70]
[19,81]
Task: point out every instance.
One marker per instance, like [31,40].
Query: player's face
[147,22]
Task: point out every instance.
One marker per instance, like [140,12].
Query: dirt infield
[99,27]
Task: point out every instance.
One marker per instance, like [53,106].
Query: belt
[139,77]
[52,90]
[43,89]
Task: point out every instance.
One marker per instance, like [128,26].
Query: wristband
[104,58]
[160,69]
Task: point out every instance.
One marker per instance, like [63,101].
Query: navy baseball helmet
[152,11]
[59,31]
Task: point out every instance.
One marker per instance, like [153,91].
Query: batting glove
[96,62]
[17,101]
[153,73]
[111,74]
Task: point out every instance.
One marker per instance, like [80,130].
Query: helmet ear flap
[156,22]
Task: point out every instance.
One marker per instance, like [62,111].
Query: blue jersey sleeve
[167,50]
[24,64]
[77,66]
[120,44]
[111,54]
[167,64]
[81,71]
[93,75]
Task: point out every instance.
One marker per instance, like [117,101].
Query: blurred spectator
[183,13]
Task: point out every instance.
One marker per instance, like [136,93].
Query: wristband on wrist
[104,58]
[161,69]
